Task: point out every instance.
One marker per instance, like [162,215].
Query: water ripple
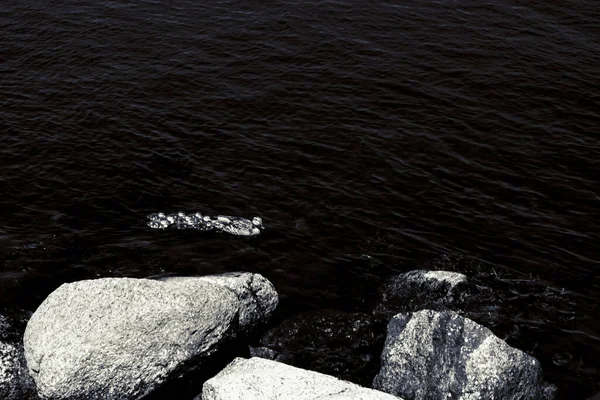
[395,130]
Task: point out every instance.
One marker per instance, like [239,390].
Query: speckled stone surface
[441,355]
[120,338]
[254,291]
[258,378]
[15,382]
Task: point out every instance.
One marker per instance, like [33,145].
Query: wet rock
[441,355]
[15,382]
[258,378]
[121,338]
[5,327]
[420,289]
[333,342]
[549,391]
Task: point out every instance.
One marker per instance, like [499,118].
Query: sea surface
[373,137]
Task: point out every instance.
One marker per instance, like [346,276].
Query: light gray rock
[419,289]
[441,355]
[121,338]
[254,291]
[261,379]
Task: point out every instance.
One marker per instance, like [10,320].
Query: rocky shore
[210,338]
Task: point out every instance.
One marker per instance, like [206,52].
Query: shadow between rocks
[189,379]
[345,345]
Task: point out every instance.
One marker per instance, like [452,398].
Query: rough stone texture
[253,290]
[420,289]
[120,338]
[328,341]
[258,378]
[15,382]
[441,355]
[5,327]
[549,391]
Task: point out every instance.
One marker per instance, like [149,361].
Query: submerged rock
[121,338]
[441,355]
[261,379]
[420,289]
[333,342]
[223,223]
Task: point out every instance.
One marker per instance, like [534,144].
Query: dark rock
[420,289]
[263,352]
[270,354]
[441,355]
[549,391]
[258,378]
[15,382]
[12,326]
[595,397]
[122,338]
[333,342]
[5,327]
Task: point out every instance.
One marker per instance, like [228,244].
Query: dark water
[370,136]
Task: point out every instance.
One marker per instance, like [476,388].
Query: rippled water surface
[371,136]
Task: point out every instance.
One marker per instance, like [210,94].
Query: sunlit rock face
[441,355]
[121,338]
[261,379]
[257,296]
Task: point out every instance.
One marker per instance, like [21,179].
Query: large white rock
[253,290]
[120,338]
[261,379]
[441,355]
